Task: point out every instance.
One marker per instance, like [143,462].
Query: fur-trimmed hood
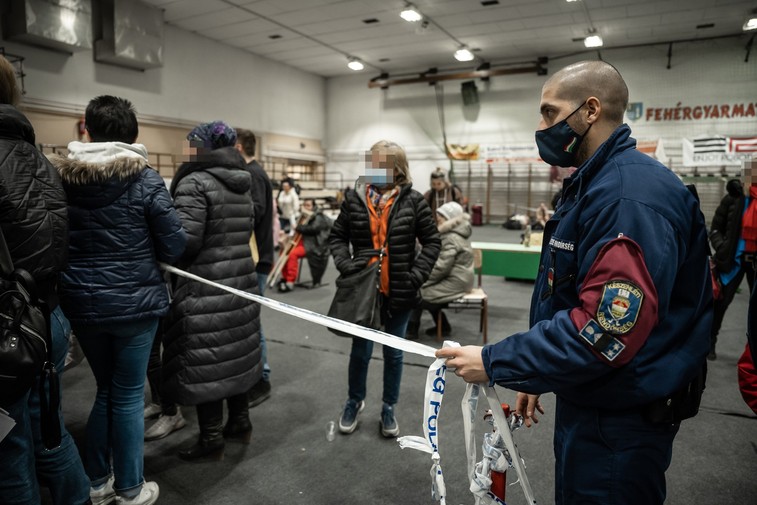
[460,225]
[99,162]
[97,174]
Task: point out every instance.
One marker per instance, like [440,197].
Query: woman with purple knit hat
[212,340]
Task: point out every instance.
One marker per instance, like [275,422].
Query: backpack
[26,345]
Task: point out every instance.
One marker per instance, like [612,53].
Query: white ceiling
[512,31]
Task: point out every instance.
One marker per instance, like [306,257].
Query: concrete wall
[201,80]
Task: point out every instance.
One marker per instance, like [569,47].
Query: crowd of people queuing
[621,322]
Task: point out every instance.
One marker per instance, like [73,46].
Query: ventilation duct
[63,25]
[128,33]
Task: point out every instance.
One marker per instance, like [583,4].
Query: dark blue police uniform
[620,321]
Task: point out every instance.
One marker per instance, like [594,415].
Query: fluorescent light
[355,64]
[463,54]
[750,24]
[67,19]
[593,41]
[570,1]
[411,14]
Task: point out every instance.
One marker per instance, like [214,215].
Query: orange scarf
[379,208]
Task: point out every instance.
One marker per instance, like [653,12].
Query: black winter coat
[410,218]
[315,238]
[122,223]
[212,342]
[726,226]
[33,212]
[262,199]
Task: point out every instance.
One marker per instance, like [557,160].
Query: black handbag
[26,345]
[357,298]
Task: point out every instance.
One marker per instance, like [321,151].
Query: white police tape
[435,385]
[314,317]
[500,451]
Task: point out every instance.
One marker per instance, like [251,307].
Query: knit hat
[450,210]
[213,135]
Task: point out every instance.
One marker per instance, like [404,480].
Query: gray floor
[290,460]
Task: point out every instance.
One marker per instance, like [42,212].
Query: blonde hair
[9,92]
[401,168]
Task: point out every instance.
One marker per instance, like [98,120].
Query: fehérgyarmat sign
[696,112]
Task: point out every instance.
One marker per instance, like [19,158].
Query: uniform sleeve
[190,203]
[168,236]
[628,257]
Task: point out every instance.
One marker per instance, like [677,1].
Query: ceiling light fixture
[593,41]
[463,54]
[355,64]
[750,24]
[411,13]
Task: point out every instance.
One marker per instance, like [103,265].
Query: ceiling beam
[384,81]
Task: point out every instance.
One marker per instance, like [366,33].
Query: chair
[475,299]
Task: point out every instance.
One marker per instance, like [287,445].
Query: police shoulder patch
[619,307]
[604,343]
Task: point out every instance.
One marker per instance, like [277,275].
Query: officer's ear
[593,109]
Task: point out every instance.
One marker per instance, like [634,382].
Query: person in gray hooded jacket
[212,342]
[452,275]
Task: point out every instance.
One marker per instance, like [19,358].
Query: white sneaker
[152,410]
[103,495]
[165,425]
[147,496]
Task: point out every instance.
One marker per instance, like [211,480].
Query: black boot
[210,443]
[238,426]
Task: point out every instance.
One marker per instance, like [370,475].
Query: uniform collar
[619,141]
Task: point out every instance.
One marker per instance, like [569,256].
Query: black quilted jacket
[726,226]
[33,213]
[212,343]
[410,219]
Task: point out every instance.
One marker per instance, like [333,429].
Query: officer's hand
[526,407]
[466,362]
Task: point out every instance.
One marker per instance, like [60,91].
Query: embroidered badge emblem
[604,343]
[550,278]
[619,307]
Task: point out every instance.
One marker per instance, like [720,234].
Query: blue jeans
[22,451]
[262,280]
[610,457]
[118,355]
[395,323]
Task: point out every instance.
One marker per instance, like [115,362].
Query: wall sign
[697,112]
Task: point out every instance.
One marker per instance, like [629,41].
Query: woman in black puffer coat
[731,264]
[384,206]
[212,343]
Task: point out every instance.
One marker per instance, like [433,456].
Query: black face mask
[559,143]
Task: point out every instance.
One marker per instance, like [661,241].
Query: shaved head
[579,81]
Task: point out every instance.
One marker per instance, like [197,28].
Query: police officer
[621,311]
